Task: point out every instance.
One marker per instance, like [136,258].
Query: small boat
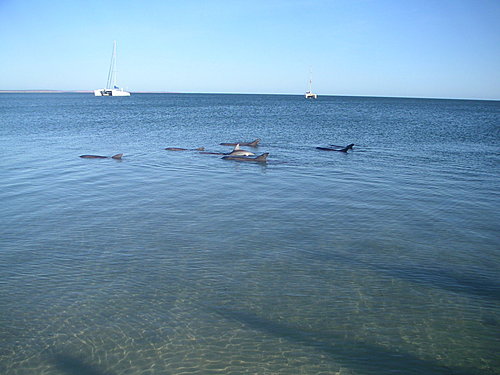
[309,93]
[111,88]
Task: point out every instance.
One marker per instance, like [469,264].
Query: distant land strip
[78,91]
[44,91]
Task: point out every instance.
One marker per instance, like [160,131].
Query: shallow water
[382,260]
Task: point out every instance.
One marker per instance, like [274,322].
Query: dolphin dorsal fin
[237,147]
[262,157]
[117,156]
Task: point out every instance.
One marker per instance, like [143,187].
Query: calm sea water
[384,260]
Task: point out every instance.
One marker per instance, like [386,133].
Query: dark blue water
[382,260]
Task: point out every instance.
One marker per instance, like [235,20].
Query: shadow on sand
[438,277]
[72,365]
[356,355]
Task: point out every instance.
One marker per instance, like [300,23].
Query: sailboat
[309,93]
[111,88]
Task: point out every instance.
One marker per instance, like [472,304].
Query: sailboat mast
[310,80]
[114,62]
[111,88]
[111,71]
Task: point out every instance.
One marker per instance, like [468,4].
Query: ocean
[381,260]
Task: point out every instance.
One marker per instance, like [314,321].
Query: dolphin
[344,149]
[251,144]
[237,151]
[349,147]
[184,149]
[259,159]
[117,156]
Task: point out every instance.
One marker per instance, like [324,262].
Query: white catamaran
[111,88]
[309,93]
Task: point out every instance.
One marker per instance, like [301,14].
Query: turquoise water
[382,260]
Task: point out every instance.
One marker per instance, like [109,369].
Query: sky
[403,48]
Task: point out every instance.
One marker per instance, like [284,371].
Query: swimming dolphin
[117,156]
[344,149]
[184,149]
[259,159]
[251,144]
[212,153]
[237,151]
[349,147]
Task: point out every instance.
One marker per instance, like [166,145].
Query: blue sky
[416,48]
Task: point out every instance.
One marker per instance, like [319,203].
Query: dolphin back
[254,143]
[117,156]
[93,157]
[337,148]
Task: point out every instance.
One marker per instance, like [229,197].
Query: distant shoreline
[76,91]
[45,91]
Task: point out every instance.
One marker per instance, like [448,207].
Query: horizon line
[54,91]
